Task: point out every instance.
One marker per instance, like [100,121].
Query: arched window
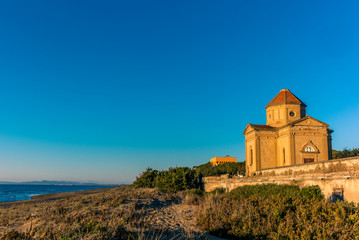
[283,155]
[251,156]
[309,149]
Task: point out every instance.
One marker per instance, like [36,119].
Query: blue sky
[100,90]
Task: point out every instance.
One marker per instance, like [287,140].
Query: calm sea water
[24,192]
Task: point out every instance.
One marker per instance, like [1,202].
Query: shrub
[345,153]
[206,170]
[218,191]
[192,197]
[176,179]
[146,179]
[168,181]
[278,191]
[265,191]
[277,212]
[13,235]
[313,192]
[184,178]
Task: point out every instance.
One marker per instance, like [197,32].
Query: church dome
[285,97]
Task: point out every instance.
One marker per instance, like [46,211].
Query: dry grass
[117,213]
[252,212]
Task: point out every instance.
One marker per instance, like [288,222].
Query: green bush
[313,192]
[206,170]
[176,179]
[146,179]
[265,191]
[277,212]
[277,191]
[218,191]
[345,153]
[184,178]
[195,192]
[193,196]
[168,181]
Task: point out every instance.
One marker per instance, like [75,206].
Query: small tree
[176,179]
[146,179]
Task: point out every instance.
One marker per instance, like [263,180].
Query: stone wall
[348,166]
[331,176]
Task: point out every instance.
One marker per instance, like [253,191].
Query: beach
[100,213]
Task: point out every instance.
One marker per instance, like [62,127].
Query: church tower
[284,108]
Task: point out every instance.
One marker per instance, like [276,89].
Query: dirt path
[170,220]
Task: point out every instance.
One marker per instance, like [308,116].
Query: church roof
[259,127]
[306,118]
[262,126]
[285,97]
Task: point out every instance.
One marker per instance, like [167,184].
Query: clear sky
[100,90]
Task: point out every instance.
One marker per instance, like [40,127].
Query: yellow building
[219,160]
[290,136]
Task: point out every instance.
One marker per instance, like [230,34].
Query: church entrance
[308,160]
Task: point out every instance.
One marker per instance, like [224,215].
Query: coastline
[55,196]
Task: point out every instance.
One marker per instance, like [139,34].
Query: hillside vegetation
[172,206]
[184,178]
[206,170]
[345,153]
[277,212]
[251,212]
[266,211]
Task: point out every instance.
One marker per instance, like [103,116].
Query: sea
[14,192]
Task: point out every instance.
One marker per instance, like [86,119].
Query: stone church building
[289,137]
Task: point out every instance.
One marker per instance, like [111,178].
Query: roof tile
[263,126]
[284,97]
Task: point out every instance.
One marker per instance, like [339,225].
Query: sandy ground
[170,219]
[163,218]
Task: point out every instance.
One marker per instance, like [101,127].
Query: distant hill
[46,182]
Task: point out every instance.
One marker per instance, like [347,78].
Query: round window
[292,114]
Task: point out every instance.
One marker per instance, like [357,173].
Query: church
[290,137]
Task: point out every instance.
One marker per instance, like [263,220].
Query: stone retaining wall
[331,176]
[348,165]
